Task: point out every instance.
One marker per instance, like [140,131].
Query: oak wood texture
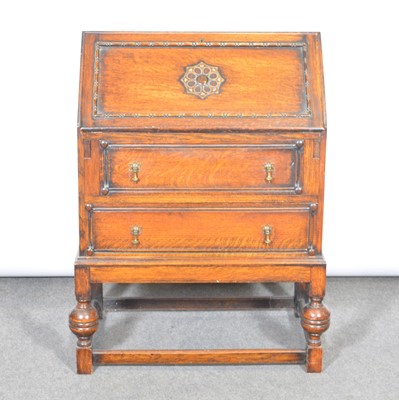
[196,259]
[201,274]
[192,179]
[175,188]
[84,360]
[207,357]
[202,167]
[203,229]
[135,79]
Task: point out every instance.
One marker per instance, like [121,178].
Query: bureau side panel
[321,184]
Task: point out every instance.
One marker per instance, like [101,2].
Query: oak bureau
[201,159]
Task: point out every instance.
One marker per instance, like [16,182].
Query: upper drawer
[128,168]
[202,81]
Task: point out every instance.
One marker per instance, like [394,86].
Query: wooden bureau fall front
[201,159]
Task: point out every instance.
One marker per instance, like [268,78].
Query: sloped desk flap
[202,81]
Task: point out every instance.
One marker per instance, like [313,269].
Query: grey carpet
[37,350]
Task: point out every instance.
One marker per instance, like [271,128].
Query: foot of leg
[314,359]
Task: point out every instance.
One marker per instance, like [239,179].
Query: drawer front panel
[287,229]
[267,167]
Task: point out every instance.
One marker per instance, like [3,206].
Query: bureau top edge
[202,81]
[195,34]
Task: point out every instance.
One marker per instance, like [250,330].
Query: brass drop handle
[136,232]
[135,169]
[269,169]
[267,231]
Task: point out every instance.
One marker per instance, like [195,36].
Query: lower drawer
[273,229]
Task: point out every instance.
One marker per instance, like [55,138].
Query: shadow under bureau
[201,159]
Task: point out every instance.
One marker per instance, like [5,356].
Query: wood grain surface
[258,80]
[201,167]
[199,274]
[206,229]
[207,357]
[133,80]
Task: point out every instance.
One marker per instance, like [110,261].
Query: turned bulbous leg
[315,321]
[83,322]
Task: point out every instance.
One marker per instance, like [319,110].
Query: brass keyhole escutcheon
[134,170]
[136,232]
[267,232]
[269,169]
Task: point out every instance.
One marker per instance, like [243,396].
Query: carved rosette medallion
[202,80]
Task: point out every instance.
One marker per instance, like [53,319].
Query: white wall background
[39,73]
